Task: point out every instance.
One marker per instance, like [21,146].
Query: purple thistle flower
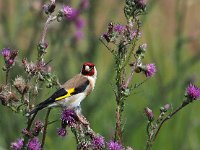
[150,70]
[18,145]
[79,23]
[119,28]
[9,56]
[34,144]
[98,142]
[62,132]
[70,12]
[114,146]
[193,92]
[68,116]
[67,10]
[6,52]
[10,62]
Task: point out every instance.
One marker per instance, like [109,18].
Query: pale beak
[87,68]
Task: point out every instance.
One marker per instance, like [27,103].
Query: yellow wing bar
[67,95]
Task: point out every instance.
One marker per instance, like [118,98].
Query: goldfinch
[73,91]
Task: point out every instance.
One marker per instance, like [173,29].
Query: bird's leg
[80,117]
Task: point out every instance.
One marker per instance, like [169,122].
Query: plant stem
[29,123]
[118,129]
[44,32]
[7,74]
[149,145]
[119,96]
[152,135]
[130,76]
[45,128]
[168,117]
[49,20]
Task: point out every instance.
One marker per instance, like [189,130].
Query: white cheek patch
[87,68]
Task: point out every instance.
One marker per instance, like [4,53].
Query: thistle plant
[121,41]
[20,93]
[166,112]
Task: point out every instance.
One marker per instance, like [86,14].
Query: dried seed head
[20,85]
[12,97]
[6,96]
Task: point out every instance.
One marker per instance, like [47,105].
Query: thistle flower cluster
[33,144]
[34,132]
[9,57]
[36,68]
[118,33]
[73,15]
[17,145]
[41,71]
[87,138]
[68,118]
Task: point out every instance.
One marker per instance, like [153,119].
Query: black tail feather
[50,100]
[40,106]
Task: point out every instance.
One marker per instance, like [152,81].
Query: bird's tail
[40,106]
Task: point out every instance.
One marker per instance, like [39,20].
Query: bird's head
[88,69]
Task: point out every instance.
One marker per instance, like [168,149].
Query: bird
[72,92]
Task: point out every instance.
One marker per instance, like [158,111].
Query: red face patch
[87,72]
[88,64]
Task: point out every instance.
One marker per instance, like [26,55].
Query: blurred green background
[172,31]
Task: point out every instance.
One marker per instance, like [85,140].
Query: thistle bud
[38,127]
[49,8]
[149,113]
[138,69]
[42,47]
